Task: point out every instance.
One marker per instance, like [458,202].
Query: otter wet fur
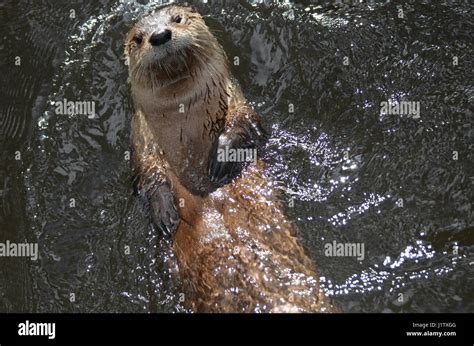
[234,245]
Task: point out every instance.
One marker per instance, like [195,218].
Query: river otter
[234,246]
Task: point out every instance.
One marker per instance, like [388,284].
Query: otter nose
[160,37]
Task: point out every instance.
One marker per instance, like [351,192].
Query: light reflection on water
[390,273]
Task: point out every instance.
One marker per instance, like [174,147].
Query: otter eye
[138,39]
[177,19]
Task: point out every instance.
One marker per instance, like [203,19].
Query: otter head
[169,44]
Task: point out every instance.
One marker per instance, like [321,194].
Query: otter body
[233,243]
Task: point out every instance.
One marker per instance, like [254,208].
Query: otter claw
[163,210]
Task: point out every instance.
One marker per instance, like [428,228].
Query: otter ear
[126,44]
[126,49]
[191,9]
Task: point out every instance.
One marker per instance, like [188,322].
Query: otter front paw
[163,210]
[233,151]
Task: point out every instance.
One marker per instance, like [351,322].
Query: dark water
[343,162]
